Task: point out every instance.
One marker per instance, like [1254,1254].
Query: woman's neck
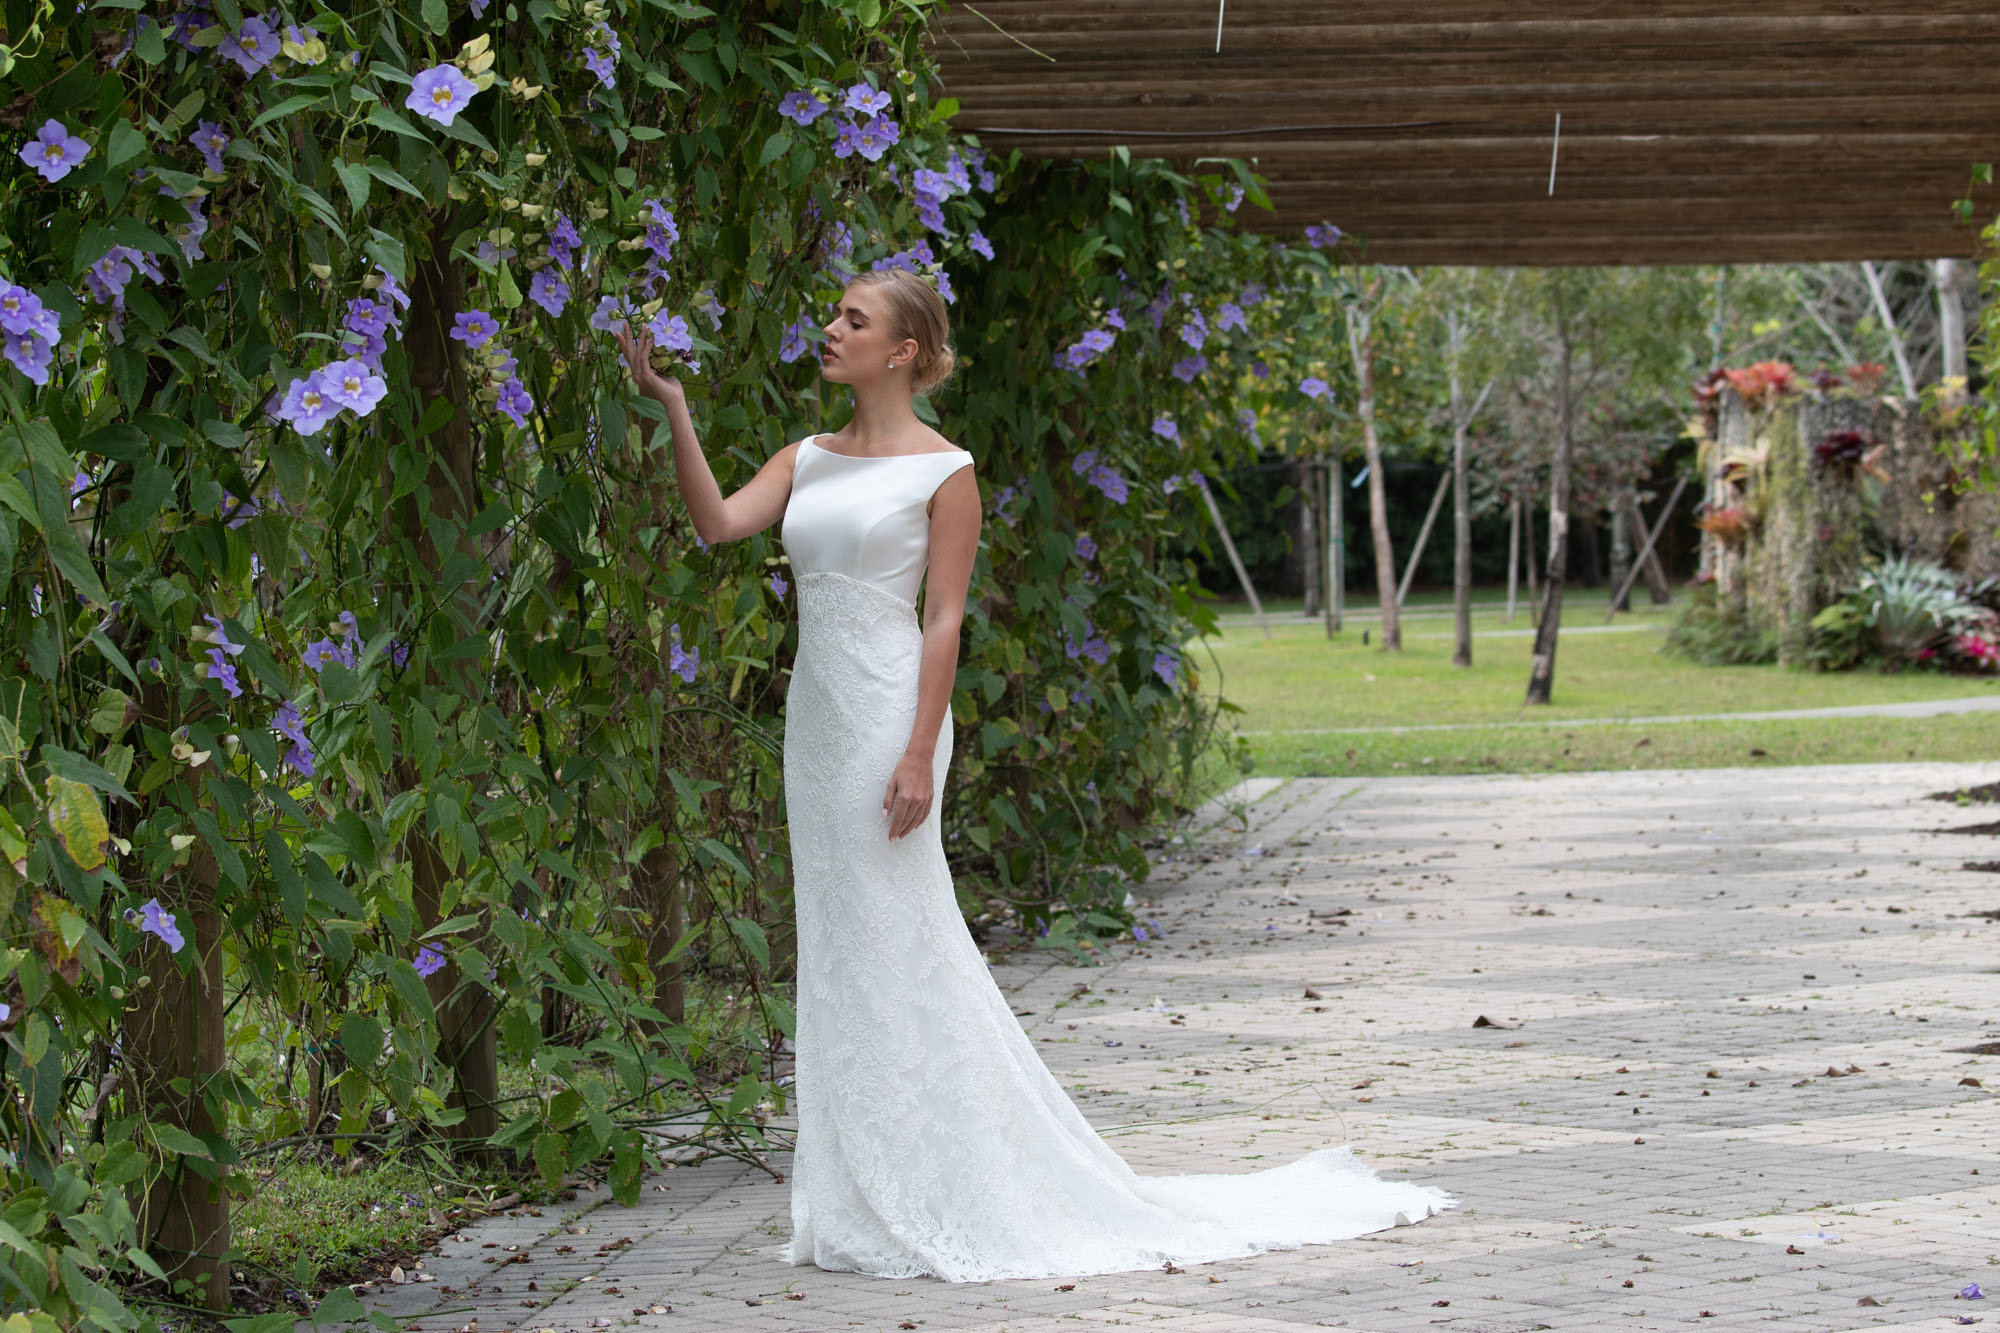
[882,414]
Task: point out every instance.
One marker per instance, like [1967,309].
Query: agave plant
[1910,603]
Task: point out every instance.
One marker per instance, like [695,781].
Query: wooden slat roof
[1693,131]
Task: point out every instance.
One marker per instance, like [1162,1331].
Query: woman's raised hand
[638,350]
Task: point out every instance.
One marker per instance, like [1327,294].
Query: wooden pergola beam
[1707,132]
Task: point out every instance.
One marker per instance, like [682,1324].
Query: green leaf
[395,180]
[436,17]
[174,1139]
[753,939]
[361,1038]
[339,1307]
[551,1158]
[290,106]
[775,147]
[355,178]
[69,764]
[124,144]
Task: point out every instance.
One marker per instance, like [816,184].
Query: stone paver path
[1728,1082]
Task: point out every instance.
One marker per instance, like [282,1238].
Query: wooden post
[1951,318]
[1235,560]
[1650,568]
[1423,539]
[1652,540]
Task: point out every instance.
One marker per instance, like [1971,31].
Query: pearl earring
[892,363]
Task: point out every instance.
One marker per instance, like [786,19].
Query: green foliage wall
[362,671]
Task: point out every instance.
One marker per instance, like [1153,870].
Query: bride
[932,1140]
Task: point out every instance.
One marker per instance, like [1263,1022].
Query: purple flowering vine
[158,922]
[440,93]
[549,290]
[1166,427]
[474,328]
[801,107]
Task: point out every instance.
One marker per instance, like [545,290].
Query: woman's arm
[717,518]
[955,518]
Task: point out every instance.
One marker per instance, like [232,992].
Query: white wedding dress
[932,1139]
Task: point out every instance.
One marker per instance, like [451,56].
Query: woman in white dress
[932,1139]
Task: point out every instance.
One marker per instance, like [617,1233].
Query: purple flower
[797,341]
[253,46]
[876,137]
[392,289]
[369,318]
[778,585]
[563,242]
[1166,427]
[1107,480]
[221,669]
[1246,421]
[1323,236]
[1115,318]
[399,653]
[1086,349]
[54,151]
[548,290]
[866,101]
[1085,547]
[712,308]
[31,354]
[440,93]
[321,651]
[1260,370]
[1171,484]
[354,386]
[188,235]
[1167,667]
[308,405]
[428,962]
[846,139]
[801,107]
[661,231]
[515,402]
[474,328]
[1138,932]
[1233,199]
[1252,293]
[1186,371]
[21,311]
[157,921]
[671,332]
[287,723]
[609,316]
[978,244]
[1194,330]
[219,636]
[1315,388]
[1230,316]
[680,661]
[209,140]
[1083,462]
[600,54]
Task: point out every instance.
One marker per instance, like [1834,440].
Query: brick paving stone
[1805,934]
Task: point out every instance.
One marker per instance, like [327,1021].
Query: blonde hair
[916,311]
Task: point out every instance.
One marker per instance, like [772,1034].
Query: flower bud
[536,159]
[524,90]
[532,211]
[510,203]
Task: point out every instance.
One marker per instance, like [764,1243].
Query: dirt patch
[1989,794]
[1991,867]
[1982,1048]
[1989,830]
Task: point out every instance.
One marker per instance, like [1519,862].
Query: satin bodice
[865,518]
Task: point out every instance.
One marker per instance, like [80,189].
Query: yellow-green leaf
[78,821]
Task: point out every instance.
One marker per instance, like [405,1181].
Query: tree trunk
[1336,544]
[1951,318]
[1513,554]
[1528,554]
[1302,474]
[1461,554]
[1360,342]
[1542,669]
[174,1050]
[1591,549]
[1621,552]
[465,1011]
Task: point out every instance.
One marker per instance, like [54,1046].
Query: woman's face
[859,341]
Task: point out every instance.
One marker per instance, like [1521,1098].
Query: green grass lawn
[1307,700]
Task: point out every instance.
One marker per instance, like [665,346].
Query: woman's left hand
[908,800]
